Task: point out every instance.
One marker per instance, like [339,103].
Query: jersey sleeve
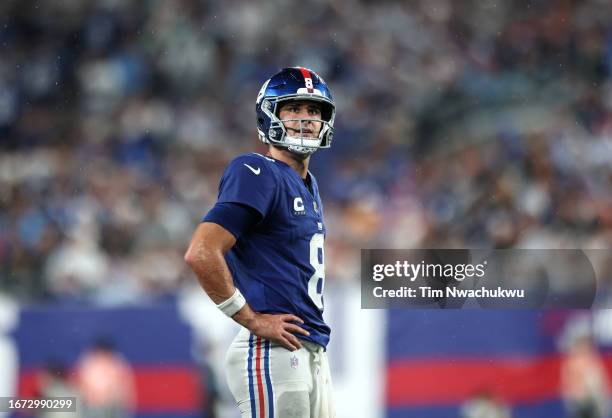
[248,181]
[234,217]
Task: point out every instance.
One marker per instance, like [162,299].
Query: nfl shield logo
[294,362]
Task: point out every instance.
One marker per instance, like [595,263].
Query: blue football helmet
[294,83]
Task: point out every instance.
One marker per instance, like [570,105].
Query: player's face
[309,112]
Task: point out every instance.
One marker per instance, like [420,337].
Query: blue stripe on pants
[250,374]
[268,380]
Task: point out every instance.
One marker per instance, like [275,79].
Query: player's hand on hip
[278,328]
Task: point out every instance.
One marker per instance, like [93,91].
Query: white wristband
[232,305]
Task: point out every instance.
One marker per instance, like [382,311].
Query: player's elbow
[189,257]
[209,241]
[195,255]
[199,251]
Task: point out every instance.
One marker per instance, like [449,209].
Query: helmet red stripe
[306,74]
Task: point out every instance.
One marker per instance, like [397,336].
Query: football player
[258,254]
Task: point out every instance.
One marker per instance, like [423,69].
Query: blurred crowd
[473,123]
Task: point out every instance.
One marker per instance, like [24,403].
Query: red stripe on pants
[259,383]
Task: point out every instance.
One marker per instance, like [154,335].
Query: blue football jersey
[279,264]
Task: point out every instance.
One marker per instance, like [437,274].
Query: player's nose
[306,122]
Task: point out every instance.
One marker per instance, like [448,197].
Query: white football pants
[269,381]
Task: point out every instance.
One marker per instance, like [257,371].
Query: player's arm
[205,256]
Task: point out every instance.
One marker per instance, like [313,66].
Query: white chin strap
[301,150]
[302,145]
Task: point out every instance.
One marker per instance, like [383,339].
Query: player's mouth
[303,132]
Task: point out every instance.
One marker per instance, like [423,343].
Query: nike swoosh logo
[255,171]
